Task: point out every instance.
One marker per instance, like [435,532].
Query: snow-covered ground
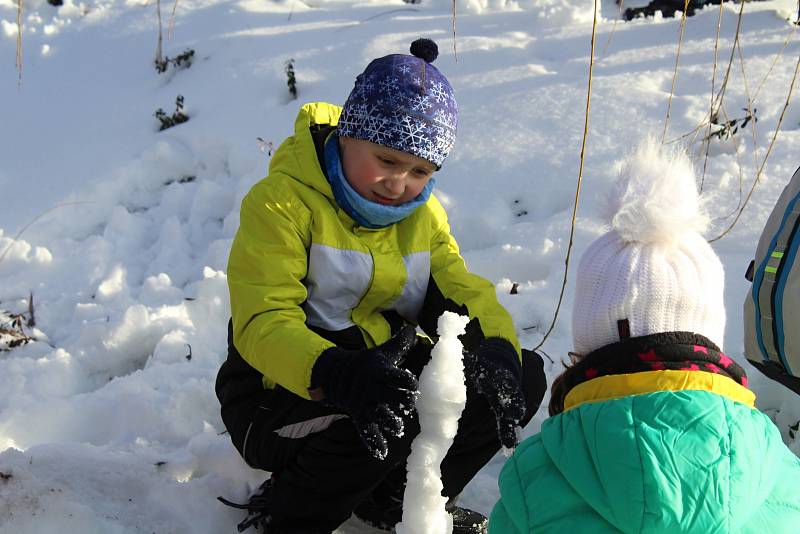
[108,420]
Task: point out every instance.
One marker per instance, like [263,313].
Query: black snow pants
[321,469]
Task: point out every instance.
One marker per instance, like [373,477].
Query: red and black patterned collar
[684,351]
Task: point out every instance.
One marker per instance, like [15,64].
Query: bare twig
[373,17]
[774,61]
[455,52]
[711,103]
[13,329]
[19,41]
[750,109]
[159,57]
[18,338]
[613,29]
[724,86]
[766,156]
[547,356]
[172,20]
[580,179]
[16,237]
[735,141]
[390,12]
[692,133]
[31,316]
[708,118]
[675,72]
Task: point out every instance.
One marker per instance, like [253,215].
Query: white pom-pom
[656,199]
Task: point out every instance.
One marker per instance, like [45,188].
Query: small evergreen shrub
[182,61]
[291,81]
[177,117]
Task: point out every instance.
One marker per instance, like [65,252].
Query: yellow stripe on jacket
[609,387]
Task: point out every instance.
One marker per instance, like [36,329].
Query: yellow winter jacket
[300,267]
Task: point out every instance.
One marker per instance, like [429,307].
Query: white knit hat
[654,268]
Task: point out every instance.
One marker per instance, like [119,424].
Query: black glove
[494,369]
[369,386]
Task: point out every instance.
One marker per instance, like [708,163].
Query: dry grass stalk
[19,40]
[580,181]
[613,29]
[455,52]
[713,88]
[172,20]
[675,73]
[31,316]
[11,333]
[159,56]
[766,156]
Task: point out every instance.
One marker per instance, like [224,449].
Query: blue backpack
[772,306]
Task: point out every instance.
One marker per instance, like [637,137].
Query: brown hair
[562,385]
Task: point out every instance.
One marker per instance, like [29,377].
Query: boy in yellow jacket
[342,251]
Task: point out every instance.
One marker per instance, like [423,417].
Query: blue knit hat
[404,102]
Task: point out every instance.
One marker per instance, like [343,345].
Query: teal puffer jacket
[669,452]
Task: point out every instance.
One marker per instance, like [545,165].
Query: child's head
[653,272]
[404,103]
[382,174]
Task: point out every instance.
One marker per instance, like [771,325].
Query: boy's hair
[403,102]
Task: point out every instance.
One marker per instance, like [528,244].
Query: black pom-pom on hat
[425,49]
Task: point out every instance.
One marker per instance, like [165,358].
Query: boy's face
[381,174]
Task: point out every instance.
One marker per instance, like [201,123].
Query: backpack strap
[768,284]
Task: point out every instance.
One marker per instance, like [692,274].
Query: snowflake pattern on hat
[403,102]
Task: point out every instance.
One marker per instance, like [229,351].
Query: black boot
[466,521]
[257,509]
[385,517]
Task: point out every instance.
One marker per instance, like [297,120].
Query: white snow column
[442,396]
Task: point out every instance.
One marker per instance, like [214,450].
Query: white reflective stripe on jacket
[298,260]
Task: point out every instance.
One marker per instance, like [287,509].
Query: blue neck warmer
[365,212]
